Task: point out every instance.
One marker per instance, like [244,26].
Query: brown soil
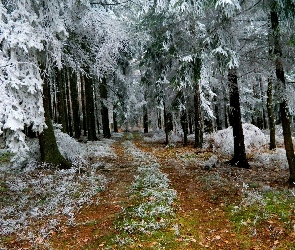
[201,207]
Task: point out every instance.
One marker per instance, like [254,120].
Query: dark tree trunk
[263,105]
[166,126]
[271,118]
[104,109]
[90,109]
[75,104]
[83,100]
[197,104]
[67,88]
[29,131]
[96,107]
[145,120]
[184,125]
[239,158]
[280,74]
[115,121]
[190,123]
[62,101]
[47,141]
[159,119]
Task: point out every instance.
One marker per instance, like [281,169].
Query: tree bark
[83,100]
[115,121]
[145,120]
[90,109]
[47,141]
[239,158]
[75,103]
[197,104]
[184,125]
[271,118]
[69,109]
[104,109]
[166,126]
[61,100]
[280,74]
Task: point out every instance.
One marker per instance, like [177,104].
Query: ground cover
[153,196]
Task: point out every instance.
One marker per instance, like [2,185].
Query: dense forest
[81,76]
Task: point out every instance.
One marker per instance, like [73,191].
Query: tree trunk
[145,119]
[115,121]
[47,141]
[69,109]
[239,158]
[280,74]
[197,104]
[90,109]
[104,109]
[83,100]
[184,125]
[271,119]
[159,113]
[166,126]
[190,123]
[61,100]
[75,104]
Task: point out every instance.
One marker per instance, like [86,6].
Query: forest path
[202,218]
[203,224]
[96,221]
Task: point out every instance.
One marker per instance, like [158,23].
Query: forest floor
[213,207]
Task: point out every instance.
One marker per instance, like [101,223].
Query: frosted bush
[223,141]
[277,158]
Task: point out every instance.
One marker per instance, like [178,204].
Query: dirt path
[201,220]
[203,224]
[95,222]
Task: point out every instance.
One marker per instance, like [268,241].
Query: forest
[138,124]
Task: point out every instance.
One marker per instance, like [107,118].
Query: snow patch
[223,141]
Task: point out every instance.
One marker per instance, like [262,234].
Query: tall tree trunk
[97,108]
[184,125]
[90,109]
[271,118]
[75,103]
[190,123]
[61,100]
[47,141]
[104,109]
[197,104]
[115,120]
[263,106]
[83,100]
[166,126]
[159,113]
[145,119]
[280,74]
[239,158]
[69,109]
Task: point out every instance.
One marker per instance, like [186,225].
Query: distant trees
[193,67]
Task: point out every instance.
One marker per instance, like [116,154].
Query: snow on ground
[160,137]
[36,199]
[155,198]
[221,141]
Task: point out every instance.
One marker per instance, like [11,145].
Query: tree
[104,108]
[280,74]
[48,146]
